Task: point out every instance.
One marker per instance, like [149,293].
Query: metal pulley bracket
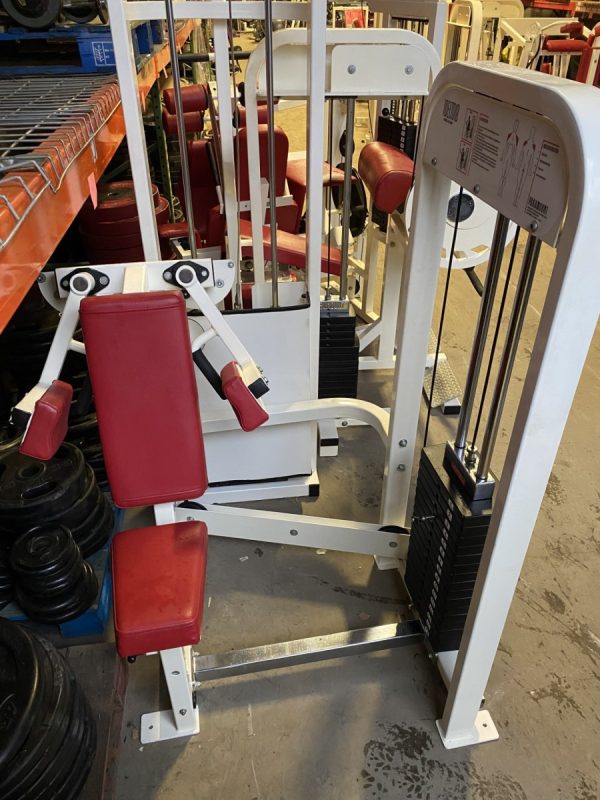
[101,279]
[170,274]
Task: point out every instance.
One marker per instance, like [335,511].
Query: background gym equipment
[48,735]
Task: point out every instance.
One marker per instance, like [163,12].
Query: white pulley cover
[476,226]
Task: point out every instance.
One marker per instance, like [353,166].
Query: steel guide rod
[347,195]
[515,326]
[481,331]
[271,151]
[185,169]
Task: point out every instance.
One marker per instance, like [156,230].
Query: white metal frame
[567,323]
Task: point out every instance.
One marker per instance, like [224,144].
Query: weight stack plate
[444,552]
[338,354]
[398,133]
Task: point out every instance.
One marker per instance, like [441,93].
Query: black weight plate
[60,584]
[31,489]
[19,684]
[81,14]
[64,773]
[35,761]
[43,550]
[33,14]
[9,437]
[83,737]
[83,507]
[53,611]
[97,535]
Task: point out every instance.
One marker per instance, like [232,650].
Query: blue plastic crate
[67,49]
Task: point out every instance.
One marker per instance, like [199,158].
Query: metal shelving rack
[57,136]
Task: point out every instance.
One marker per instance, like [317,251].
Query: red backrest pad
[140,362]
[281,156]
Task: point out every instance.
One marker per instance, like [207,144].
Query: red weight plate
[112,241]
[116,200]
[125,227]
[126,256]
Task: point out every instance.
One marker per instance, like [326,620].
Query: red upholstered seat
[158,586]
[49,422]
[291,249]
[140,362]
[296,178]
[387,173]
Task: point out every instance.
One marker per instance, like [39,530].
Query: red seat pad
[291,249]
[140,362]
[297,168]
[158,586]
[387,173]
[49,422]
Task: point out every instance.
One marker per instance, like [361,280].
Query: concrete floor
[363,727]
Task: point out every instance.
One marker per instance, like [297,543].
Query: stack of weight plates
[111,231]
[444,552]
[53,584]
[6,580]
[338,354]
[47,730]
[62,490]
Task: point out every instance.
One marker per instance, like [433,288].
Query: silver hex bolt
[409,69]
[219,284]
[434,161]
[476,189]
[533,226]
[403,442]
[351,69]
[401,467]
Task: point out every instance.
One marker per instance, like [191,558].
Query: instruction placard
[515,159]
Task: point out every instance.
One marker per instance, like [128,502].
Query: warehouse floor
[364,727]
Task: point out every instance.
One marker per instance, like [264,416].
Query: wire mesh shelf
[45,124]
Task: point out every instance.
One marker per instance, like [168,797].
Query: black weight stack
[444,552]
[338,353]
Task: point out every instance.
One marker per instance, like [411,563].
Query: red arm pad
[249,412]
[49,422]
[575,28]
[387,173]
[193,98]
[565,45]
[175,230]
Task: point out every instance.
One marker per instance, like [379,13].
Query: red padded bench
[140,363]
[291,249]
[387,173]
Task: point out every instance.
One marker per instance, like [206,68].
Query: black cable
[442,315]
[474,278]
[496,334]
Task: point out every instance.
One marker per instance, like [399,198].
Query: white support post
[397,242]
[182,719]
[134,126]
[314,215]
[568,322]
[417,295]
[229,187]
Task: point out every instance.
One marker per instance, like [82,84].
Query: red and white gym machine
[140,353]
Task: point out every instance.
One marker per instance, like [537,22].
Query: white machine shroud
[266,453]
[511,158]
